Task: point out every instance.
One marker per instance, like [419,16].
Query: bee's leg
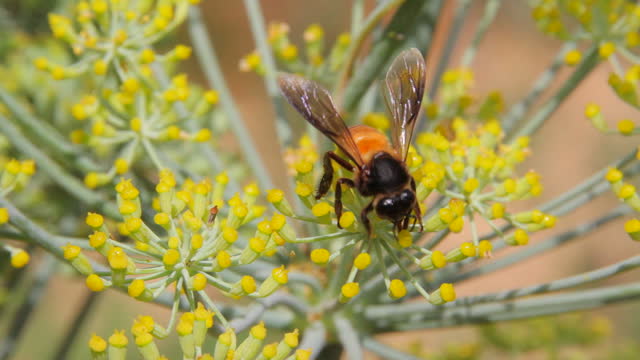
[416,207]
[338,200]
[327,177]
[365,220]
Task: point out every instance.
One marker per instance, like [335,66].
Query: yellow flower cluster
[614,20]
[315,62]
[627,193]
[201,237]
[192,330]
[14,176]
[613,28]
[133,108]
[472,168]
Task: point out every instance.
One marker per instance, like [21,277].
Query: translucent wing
[405,83]
[315,104]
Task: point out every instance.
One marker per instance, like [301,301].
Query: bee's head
[396,206]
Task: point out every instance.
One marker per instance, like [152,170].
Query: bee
[379,167]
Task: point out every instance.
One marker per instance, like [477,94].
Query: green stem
[392,38]
[543,82]
[211,67]
[259,30]
[46,134]
[37,234]
[56,173]
[589,63]
[462,314]
[452,40]
[359,37]
[490,11]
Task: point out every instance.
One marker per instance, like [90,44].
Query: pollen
[606,49]
[468,249]
[248,284]
[121,165]
[320,256]
[183,52]
[97,239]
[97,344]
[397,289]
[281,275]
[405,239]
[303,190]
[438,259]
[626,127]
[223,259]
[199,282]
[275,195]
[4,216]
[202,135]
[136,288]
[117,259]
[94,220]
[521,237]
[626,191]
[71,252]
[497,210]
[347,219]
[350,290]
[321,209]
[613,175]
[447,292]
[171,257]
[94,283]
[362,261]
[572,57]
[484,248]
[20,259]
[457,225]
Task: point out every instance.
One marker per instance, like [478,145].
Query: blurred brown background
[565,151]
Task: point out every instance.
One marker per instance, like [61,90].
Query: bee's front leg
[365,219]
[327,177]
[416,208]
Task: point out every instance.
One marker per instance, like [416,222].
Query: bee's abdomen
[370,141]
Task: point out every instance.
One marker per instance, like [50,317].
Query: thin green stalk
[456,315]
[452,40]
[392,38]
[211,67]
[184,116]
[348,337]
[534,249]
[314,338]
[519,109]
[591,60]
[357,14]
[490,12]
[56,173]
[385,351]
[26,309]
[560,284]
[358,38]
[47,135]
[582,193]
[38,235]
[259,30]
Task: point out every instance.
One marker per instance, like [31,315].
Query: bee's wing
[405,83]
[315,104]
